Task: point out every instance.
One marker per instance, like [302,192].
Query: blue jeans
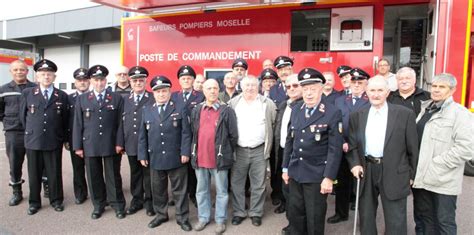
[437,212]
[203,194]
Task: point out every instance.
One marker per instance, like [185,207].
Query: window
[62,86]
[217,74]
[310,30]
[73,86]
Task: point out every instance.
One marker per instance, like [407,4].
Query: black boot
[17,195]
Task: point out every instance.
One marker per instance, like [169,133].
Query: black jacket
[45,121]
[132,118]
[10,94]
[226,136]
[412,102]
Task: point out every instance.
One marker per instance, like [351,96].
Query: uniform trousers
[108,189]
[307,208]
[275,178]
[343,188]
[249,162]
[78,176]
[178,178]
[395,211]
[15,147]
[51,162]
[140,183]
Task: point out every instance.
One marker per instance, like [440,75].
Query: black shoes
[16,198]
[157,222]
[32,210]
[133,209]
[256,220]
[185,226]
[276,201]
[120,214]
[97,214]
[237,220]
[58,207]
[336,219]
[79,201]
[280,209]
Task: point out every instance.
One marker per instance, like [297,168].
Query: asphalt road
[75,219]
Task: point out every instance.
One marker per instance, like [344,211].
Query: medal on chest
[88,113]
[32,109]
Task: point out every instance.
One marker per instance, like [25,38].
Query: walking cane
[356,205]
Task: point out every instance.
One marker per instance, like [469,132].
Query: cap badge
[281,61]
[159,82]
[81,73]
[44,65]
[137,72]
[267,74]
[239,63]
[306,76]
[98,71]
[356,73]
[185,71]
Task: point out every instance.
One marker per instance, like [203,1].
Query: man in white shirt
[383,68]
[383,153]
[255,118]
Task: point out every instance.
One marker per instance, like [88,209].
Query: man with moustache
[408,94]
[44,114]
[284,66]
[230,84]
[10,94]
[122,84]
[140,185]
[82,83]
[164,146]
[98,119]
[383,154]
[239,68]
[329,94]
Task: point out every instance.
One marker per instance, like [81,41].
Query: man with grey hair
[445,131]
[255,121]
[407,93]
[122,85]
[383,153]
[230,84]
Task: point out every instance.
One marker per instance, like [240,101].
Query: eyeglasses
[121,74]
[295,85]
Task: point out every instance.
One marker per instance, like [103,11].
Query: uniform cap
[240,63]
[186,70]
[359,74]
[343,70]
[81,73]
[98,71]
[309,76]
[45,65]
[159,82]
[268,74]
[282,61]
[137,72]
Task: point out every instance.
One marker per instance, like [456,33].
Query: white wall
[67,59]
[106,54]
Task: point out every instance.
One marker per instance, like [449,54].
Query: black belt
[251,148]
[373,160]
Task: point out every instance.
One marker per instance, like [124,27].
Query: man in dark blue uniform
[10,94]
[188,98]
[44,114]
[344,72]
[82,83]
[239,68]
[284,66]
[140,185]
[165,146]
[97,137]
[348,104]
[312,155]
[329,93]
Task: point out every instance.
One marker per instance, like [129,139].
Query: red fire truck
[431,36]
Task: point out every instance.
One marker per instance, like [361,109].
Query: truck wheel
[469,169]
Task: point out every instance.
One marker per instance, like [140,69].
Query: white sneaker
[220,228]
[199,226]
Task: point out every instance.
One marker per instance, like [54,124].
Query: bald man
[14,132]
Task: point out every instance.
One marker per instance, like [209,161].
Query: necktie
[354,100]
[309,112]
[101,99]
[45,92]
[161,111]
[185,96]
[137,100]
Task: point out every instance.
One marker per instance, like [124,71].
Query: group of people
[394,139]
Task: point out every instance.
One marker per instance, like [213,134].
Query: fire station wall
[67,59]
[107,54]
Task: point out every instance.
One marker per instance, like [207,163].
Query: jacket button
[162,142]
[149,150]
[134,132]
[164,152]
[302,131]
[325,162]
[161,133]
[134,125]
[301,140]
[301,159]
[301,150]
[100,126]
[44,130]
[44,122]
[100,111]
[100,133]
[134,112]
[100,118]
[161,124]
[83,138]
[134,119]
[45,115]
